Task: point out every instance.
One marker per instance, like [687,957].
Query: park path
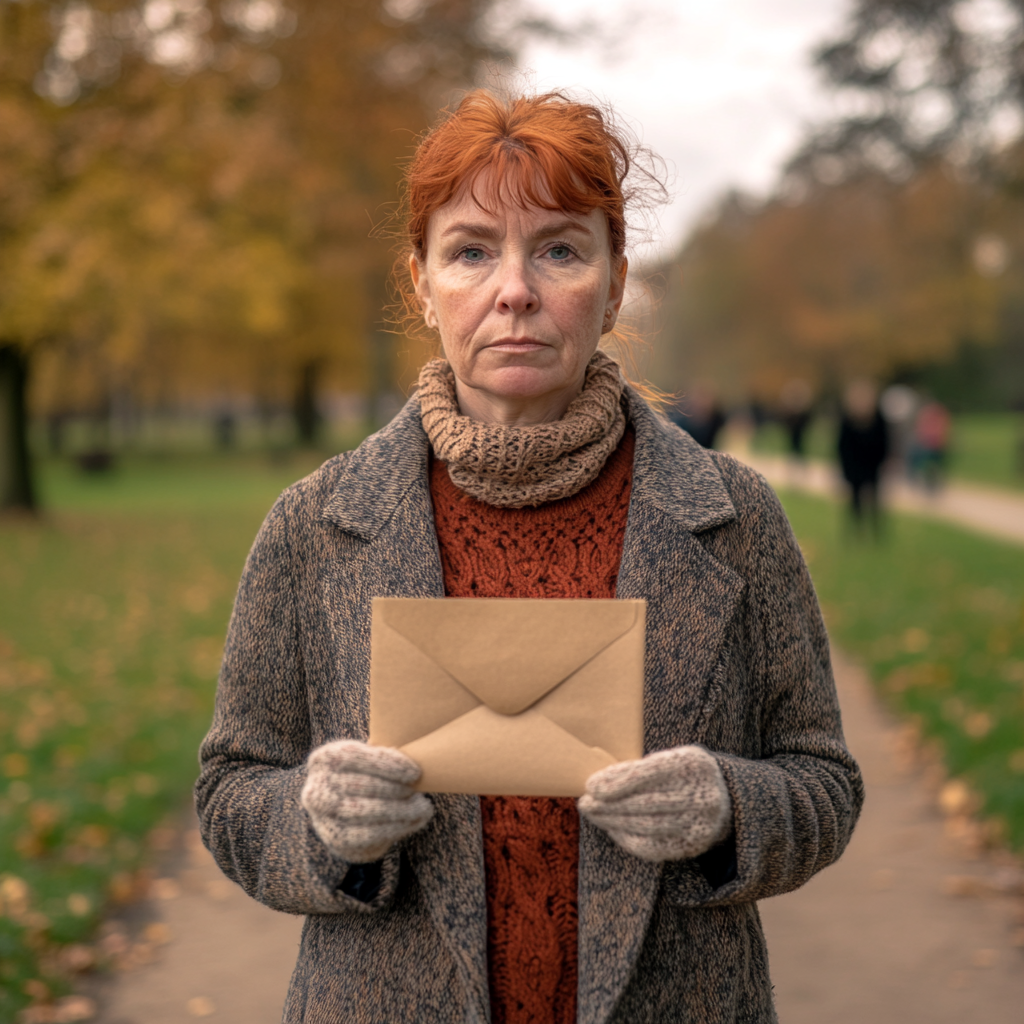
[911,926]
[999,513]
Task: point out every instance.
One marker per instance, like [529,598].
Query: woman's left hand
[671,805]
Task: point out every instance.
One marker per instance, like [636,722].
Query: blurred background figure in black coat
[699,414]
[863,448]
[797,413]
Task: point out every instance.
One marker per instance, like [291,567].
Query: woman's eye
[560,252]
[473,255]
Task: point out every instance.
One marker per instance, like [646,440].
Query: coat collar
[674,473]
[670,470]
[373,479]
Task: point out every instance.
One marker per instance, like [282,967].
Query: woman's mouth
[517,345]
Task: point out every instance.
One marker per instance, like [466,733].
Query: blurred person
[700,415]
[930,444]
[863,447]
[224,429]
[526,466]
[758,413]
[899,404]
[797,401]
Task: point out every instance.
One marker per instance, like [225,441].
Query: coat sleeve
[253,758]
[796,803]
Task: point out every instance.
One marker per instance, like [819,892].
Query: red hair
[547,151]
[544,151]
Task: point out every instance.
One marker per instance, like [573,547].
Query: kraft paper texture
[508,696]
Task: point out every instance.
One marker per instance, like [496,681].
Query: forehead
[496,208]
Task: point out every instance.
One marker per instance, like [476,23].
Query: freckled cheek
[579,307]
[459,309]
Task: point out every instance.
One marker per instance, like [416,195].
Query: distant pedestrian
[797,400]
[863,448]
[931,444]
[700,415]
[899,404]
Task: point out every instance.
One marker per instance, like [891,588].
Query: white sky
[721,88]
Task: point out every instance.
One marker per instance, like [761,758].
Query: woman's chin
[522,383]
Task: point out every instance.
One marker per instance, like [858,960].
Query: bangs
[516,176]
[544,152]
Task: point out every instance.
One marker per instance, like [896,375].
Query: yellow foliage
[863,277]
[213,232]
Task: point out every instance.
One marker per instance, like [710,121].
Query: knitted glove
[359,799]
[670,805]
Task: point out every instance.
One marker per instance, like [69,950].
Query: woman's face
[520,299]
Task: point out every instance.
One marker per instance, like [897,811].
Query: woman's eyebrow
[489,231]
[477,230]
[562,226]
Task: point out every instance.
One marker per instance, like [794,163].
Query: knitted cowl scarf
[516,467]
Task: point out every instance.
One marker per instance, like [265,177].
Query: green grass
[113,610]
[937,616]
[986,448]
[819,441]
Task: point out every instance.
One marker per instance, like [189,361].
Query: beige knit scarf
[515,467]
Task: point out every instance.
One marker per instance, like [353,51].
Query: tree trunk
[16,490]
[307,416]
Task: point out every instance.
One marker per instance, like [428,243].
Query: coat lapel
[691,599]
[383,498]
[377,477]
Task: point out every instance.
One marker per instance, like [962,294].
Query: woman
[524,466]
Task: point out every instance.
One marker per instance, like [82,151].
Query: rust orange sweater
[568,548]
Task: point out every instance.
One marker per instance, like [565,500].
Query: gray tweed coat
[737,660]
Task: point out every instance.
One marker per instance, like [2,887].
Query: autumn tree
[188,193]
[865,276]
[917,80]
[109,242]
[895,234]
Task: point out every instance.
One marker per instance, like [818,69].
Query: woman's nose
[517,292]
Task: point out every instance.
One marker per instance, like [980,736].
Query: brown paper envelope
[517,696]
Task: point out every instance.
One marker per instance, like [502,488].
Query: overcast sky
[720,88]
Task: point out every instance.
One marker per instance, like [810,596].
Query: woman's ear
[616,293]
[421,285]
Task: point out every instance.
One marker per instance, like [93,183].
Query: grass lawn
[937,615]
[988,448]
[819,441]
[113,610]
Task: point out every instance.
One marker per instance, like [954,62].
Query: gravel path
[999,513]
[217,954]
[884,936]
[912,925]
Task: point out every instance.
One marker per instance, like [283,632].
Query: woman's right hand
[360,799]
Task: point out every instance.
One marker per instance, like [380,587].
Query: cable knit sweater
[567,548]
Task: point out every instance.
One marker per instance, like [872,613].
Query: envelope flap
[509,652]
